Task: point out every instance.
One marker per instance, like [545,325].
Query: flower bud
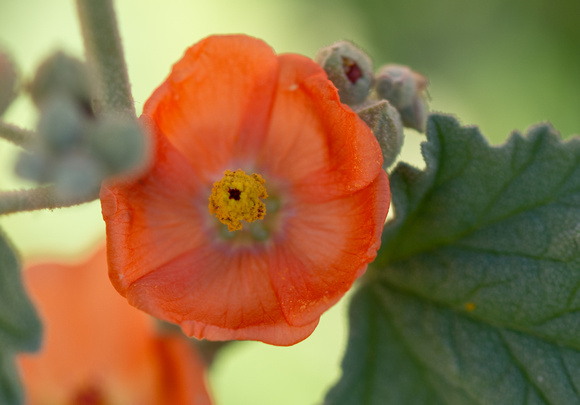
[62,74]
[35,166]
[120,144]
[385,122]
[78,175]
[61,126]
[8,82]
[405,90]
[349,68]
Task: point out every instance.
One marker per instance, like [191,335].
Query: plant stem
[104,54]
[207,349]
[18,136]
[210,350]
[37,199]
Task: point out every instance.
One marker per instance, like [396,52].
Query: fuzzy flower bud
[35,166]
[349,69]
[61,125]
[405,90]
[385,122]
[62,74]
[77,176]
[61,131]
[120,144]
[8,82]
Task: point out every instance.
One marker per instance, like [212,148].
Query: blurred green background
[499,64]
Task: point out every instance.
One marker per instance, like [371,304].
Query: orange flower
[98,350]
[264,202]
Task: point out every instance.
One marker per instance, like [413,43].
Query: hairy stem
[104,55]
[38,199]
[18,136]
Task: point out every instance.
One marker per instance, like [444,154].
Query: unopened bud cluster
[76,149]
[393,97]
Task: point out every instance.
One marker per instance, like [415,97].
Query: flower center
[237,197]
[351,69]
[89,395]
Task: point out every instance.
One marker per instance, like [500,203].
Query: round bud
[415,115]
[35,166]
[349,69]
[8,82]
[62,74]
[405,90]
[385,122]
[120,144]
[61,126]
[78,175]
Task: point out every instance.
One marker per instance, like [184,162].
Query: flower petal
[156,218]
[215,104]
[167,260]
[218,295]
[98,347]
[74,302]
[328,245]
[180,372]
[316,144]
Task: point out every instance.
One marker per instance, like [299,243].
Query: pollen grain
[237,197]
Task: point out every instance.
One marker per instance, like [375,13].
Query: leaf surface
[20,328]
[475,295]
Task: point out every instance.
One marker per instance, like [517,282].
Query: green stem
[207,349]
[37,199]
[105,56]
[210,350]
[18,136]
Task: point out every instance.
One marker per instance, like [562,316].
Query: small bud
[120,144]
[35,166]
[61,126]
[349,68]
[78,175]
[405,90]
[385,122]
[8,82]
[62,74]
[415,115]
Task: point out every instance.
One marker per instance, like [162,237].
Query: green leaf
[475,295]
[19,324]
[10,390]
[405,350]
[20,328]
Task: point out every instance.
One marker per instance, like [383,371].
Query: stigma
[238,197]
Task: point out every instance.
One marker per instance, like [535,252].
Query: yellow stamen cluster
[237,197]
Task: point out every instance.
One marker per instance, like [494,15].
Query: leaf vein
[424,368]
[567,373]
[521,367]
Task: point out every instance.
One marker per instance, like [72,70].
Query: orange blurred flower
[97,350]
[264,202]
